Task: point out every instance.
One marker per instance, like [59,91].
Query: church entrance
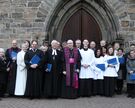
[82,19]
[81,25]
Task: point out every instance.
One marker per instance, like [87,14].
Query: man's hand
[64,72]
[34,66]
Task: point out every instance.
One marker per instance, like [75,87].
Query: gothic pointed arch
[103,15]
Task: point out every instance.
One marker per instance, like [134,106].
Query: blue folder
[101,66]
[132,76]
[121,60]
[112,61]
[35,59]
[13,54]
[49,67]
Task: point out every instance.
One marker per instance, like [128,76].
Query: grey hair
[54,41]
[2,50]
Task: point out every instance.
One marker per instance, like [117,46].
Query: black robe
[13,69]
[34,76]
[121,76]
[3,76]
[52,79]
[70,92]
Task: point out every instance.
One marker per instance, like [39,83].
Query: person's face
[64,44]
[102,43]
[78,44]
[14,44]
[104,50]
[27,44]
[70,44]
[34,45]
[46,48]
[54,45]
[58,45]
[98,52]
[120,52]
[85,43]
[116,46]
[92,45]
[132,47]
[132,54]
[110,50]
[24,48]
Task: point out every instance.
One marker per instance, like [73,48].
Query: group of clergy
[66,72]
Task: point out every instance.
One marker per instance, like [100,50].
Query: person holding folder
[11,55]
[99,68]
[52,82]
[34,73]
[110,74]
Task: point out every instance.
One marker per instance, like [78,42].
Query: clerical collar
[54,52]
[34,50]
[14,48]
[85,49]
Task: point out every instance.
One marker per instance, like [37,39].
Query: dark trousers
[119,85]
[109,86]
[131,89]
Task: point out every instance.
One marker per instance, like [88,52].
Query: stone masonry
[27,19]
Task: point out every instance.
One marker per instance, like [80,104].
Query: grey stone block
[39,14]
[34,4]
[17,15]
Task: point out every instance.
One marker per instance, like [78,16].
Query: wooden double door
[81,25]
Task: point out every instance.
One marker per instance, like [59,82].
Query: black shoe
[129,96]
[132,96]
[31,98]
[119,92]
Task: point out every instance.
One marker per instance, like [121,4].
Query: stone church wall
[27,19]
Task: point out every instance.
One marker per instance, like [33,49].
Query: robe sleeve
[20,61]
[8,56]
[27,60]
[63,62]
[92,59]
[2,68]
[78,66]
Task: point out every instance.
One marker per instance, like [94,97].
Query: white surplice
[111,71]
[98,73]
[21,76]
[87,58]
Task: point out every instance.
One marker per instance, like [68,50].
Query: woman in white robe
[86,73]
[99,68]
[21,72]
[110,74]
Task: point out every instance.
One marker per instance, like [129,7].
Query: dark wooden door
[82,26]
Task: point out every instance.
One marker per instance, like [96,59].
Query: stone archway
[103,15]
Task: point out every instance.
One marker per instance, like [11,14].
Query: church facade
[44,20]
